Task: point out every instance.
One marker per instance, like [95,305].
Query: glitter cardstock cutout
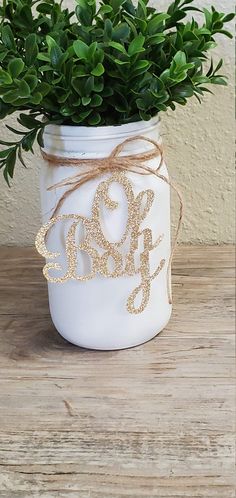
[100,250]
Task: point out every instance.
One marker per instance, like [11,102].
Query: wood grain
[153,421]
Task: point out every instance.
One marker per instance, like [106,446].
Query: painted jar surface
[88,307]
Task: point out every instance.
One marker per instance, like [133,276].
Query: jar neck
[94,142]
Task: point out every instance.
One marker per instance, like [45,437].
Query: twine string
[134,163]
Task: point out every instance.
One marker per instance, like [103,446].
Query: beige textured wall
[199,144]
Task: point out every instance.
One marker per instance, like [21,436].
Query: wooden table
[154,421]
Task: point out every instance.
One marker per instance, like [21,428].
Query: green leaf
[10,96]
[28,121]
[226,33]
[89,86]
[28,140]
[141,64]
[106,92]
[4,153]
[92,49]
[15,67]
[184,91]
[62,98]
[86,100]
[94,119]
[108,27]
[144,116]
[136,46]
[23,89]
[218,80]
[140,67]
[85,11]
[105,9]
[180,58]
[141,10]
[5,174]
[10,163]
[120,62]
[229,17]
[46,68]
[78,85]
[98,86]
[32,81]
[43,57]
[8,38]
[156,39]
[120,32]
[55,56]
[36,98]
[43,88]
[44,8]
[81,49]
[155,22]
[116,4]
[209,46]
[20,157]
[98,70]
[40,137]
[118,47]
[96,100]
[218,67]
[26,18]
[55,51]
[31,49]
[3,55]
[50,42]
[5,78]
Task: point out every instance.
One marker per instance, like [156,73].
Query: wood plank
[124,453]
[105,485]
[59,404]
[154,421]
[33,352]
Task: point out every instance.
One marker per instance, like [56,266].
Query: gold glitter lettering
[107,259]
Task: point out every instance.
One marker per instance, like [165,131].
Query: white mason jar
[93,314]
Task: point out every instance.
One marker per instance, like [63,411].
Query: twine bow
[134,163]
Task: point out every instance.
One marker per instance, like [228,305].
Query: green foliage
[99,65]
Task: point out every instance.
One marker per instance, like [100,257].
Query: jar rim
[98,132]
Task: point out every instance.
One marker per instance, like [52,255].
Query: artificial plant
[99,65]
